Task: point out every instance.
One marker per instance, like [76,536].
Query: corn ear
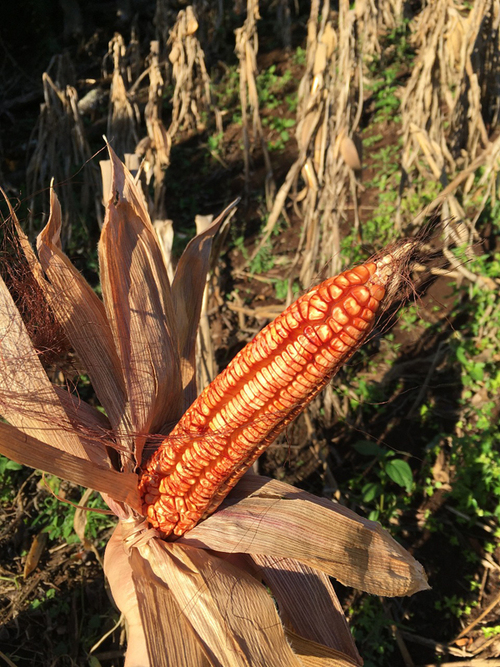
[260,392]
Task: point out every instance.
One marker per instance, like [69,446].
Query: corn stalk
[123,113]
[329,109]
[61,149]
[192,94]
[450,104]
[247,47]
[155,149]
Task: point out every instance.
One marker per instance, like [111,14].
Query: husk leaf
[263,516]
[119,574]
[170,639]
[187,294]
[29,451]
[139,307]
[313,654]
[232,614]
[33,405]
[81,313]
[82,413]
[308,603]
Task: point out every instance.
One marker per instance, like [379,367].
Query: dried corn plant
[336,157]
[192,96]
[311,100]
[247,48]
[329,110]
[154,149]
[368,17]
[450,104]
[210,15]
[375,18]
[61,150]
[391,13]
[474,115]
[184,605]
[123,114]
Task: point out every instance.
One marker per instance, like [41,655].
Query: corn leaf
[139,306]
[187,294]
[34,453]
[231,612]
[263,516]
[308,603]
[82,315]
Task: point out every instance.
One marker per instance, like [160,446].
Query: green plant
[281,127]
[387,469]
[263,260]
[7,478]
[299,57]
[384,90]
[454,606]
[215,143]
[492,631]
[270,85]
[372,630]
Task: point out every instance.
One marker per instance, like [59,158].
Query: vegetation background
[337,124]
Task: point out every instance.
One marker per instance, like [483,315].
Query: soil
[316,453]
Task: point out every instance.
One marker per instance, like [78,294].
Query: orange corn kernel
[260,392]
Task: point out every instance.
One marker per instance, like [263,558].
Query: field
[342,128]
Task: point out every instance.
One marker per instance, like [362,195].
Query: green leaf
[7,464]
[367,448]
[461,355]
[477,372]
[400,472]
[370,491]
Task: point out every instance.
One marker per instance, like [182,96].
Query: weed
[228,89]
[372,631]
[387,470]
[263,260]
[491,632]
[299,57]
[281,289]
[370,141]
[7,478]
[454,606]
[292,101]
[215,143]
[386,100]
[270,85]
[281,126]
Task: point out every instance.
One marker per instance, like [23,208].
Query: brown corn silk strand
[260,392]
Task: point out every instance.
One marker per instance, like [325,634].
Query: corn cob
[261,391]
